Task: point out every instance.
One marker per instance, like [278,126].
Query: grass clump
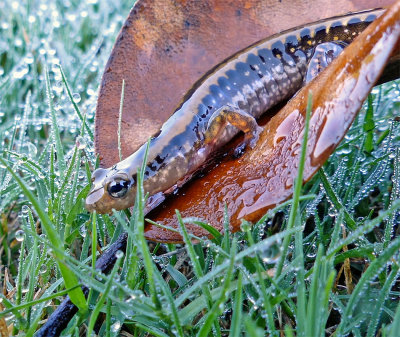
[323,263]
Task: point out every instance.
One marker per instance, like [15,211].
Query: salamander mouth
[94,197]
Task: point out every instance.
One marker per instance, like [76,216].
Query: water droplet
[20,71]
[43,269]
[332,211]
[76,97]
[25,209]
[20,235]
[119,254]
[80,142]
[58,87]
[17,42]
[271,254]
[116,326]
[29,149]
[71,17]
[15,5]
[29,58]
[245,226]
[82,230]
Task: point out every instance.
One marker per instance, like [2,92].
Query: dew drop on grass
[116,326]
[43,269]
[30,149]
[20,71]
[15,5]
[332,211]
[80,143]
[29,58]
[76,97]
[82,230]
[271,254]
[25,209]
[20,235]
[119,254]
[58,87]
[17,42]
[90,92]
[244,226]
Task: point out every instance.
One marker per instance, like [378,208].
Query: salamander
[226,100]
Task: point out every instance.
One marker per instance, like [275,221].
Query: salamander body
[224,101]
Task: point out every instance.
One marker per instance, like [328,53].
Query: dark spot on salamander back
[305,34]
[278,48]
[242,69]
[320,33]
[159,160]
[191,21]
[277,53]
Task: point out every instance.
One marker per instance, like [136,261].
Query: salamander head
[113,188]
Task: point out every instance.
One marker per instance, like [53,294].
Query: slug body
[225,101]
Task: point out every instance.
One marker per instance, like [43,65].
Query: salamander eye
[118,188]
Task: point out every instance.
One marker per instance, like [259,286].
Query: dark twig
[60,318]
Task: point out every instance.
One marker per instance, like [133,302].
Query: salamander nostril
[99,174]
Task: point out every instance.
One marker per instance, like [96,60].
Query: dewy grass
[230,285]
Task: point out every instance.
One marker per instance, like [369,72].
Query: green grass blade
[76,108]
[70,279]
[55,131]
[216,308]
[237,310]
[395,326]
[103,297]
[369,275]
[196,264]
[41,300]
[380,303]
[174,310]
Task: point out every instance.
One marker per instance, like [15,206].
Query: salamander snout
[99,175]
[111,189]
